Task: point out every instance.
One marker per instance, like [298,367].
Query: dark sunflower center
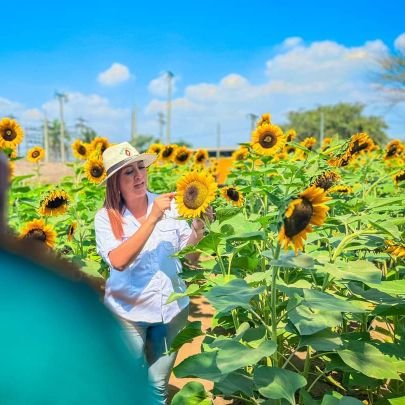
[182,156]
[267,140]
[71,230]
[359,146]
[232,194]
[167,152]
[9,134]
[82,150]
[326,181]
[200,158]
[56,203]
[299,219]
[96,171]
[194,196]
[35,154]
[401,177]
[37,234]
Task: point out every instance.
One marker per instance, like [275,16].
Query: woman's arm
[127,251]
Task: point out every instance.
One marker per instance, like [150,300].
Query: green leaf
[325,340]
[236,382]
[192,330]
[236,293]
[257,235]
[193,393]
[192,289]
[393,288]
[222,214]
[368,360]
[278,383]
[290,260]
[338,399]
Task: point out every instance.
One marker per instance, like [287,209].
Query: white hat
[118,156]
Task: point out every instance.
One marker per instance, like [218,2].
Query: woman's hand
[160,205]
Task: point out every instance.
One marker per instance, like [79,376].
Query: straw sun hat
[118,156]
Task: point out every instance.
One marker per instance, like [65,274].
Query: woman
[137,233]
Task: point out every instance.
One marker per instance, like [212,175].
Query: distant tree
[86,133]
[142,142]
[54,140]
[343,119]
[181,142]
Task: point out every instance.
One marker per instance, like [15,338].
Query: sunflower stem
[274,304]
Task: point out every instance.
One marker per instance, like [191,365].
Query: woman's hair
[114,205]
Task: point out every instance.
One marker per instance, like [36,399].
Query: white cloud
[291,42]
[115,74]
[159,86]
[400,43]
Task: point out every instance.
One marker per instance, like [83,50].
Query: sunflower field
[303,264]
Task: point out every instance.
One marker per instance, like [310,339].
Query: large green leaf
[278,383]
[325,340]
[235,293]
[338,399]
[291,260]
[393,288]
[368,360]
[192,289]
[236,382]
[193,393]
[192,330]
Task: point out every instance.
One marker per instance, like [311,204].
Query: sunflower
[309,209]
[325,143]
[395,249]
[35,154]
[399,177]
[240,154]
[99,144]
[264,119]
[155,148]
[326,180]
[291,135]
[11,133]
[232,195]
[360,143]
[80,149]
[38,230]
[342,189]
[95,171]
[195,191]
[308,142]
[201,156]
[167,153]
[55,203]
[267,139]
[182,155]
[341,160]
[71,230]
[394,149]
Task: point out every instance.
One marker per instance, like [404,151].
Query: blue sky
[229,59]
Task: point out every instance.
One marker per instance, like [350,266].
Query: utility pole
[61,98]
[81,126]
[321,129]
[170,76]
[133,124]
[46,139]
[253,118]
[218,138]
[161,122]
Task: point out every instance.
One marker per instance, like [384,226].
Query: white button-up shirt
[139,292]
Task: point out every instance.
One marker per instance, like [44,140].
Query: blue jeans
[154,340]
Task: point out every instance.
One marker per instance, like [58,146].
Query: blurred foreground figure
[58,343]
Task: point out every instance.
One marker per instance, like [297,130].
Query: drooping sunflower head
[195,191]
[71,230]
[267,139]
[37,230]
[340,189]
[80,149]
[232,195]
[167,153]
[326,180]
[394,149]
[240,154]
[99,144]
[155,148]
[309,142]
[182,155]
[55,203]
[399,177]
[309,209]
[396,249]
[11,133]
[264,119]
[201,156]
[35,154]
[341,160]
[95,171]
[360,143]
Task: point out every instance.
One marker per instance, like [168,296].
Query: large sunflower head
[71,230]
[394,149]
[35,154]
[309,209]
[167,153]
[155,148]
[11,133]
[195,191]
[399,177]
[201,156]
[182,155]
[80,149]
[95,171]
[37,230]
[340,189]
[326,180]
[99,144]
[55,203]
[264,119]
[395,248]
[232,195]
[267,139]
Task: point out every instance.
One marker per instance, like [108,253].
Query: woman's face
[132,180]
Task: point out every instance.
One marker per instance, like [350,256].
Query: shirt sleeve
[105,239]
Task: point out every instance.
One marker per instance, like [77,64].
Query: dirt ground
[50,172]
